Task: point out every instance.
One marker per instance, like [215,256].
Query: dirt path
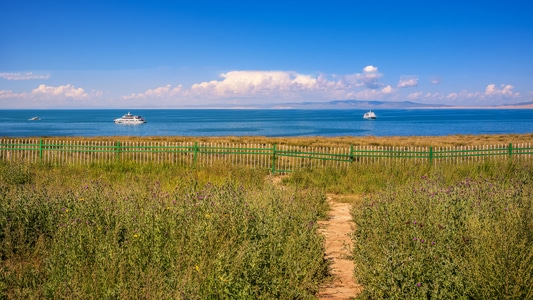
[337,231]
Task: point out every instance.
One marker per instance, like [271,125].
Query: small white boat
[130,119]
[36,118]
[370,115]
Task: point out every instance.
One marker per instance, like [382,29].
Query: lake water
[270,123]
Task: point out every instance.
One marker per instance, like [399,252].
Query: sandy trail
[336,231]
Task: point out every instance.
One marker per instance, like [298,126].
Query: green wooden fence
[276,158]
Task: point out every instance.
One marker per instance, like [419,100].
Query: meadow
[436,238]
[140,230]
[130,232]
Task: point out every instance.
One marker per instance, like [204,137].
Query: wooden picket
[277,158]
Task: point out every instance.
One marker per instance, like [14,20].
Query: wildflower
[207,216]
[197,268]
[81,199]
[415,239]
[432,243]
[418,284]
[135,235]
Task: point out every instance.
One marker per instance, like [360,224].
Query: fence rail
[276,158]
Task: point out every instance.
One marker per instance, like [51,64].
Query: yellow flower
[208,216]
[197,268]
[81,199]
[135,236]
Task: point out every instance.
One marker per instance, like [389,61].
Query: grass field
[97,233]
[435,238]
[129,231]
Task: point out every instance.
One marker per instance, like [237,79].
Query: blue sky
[154,54]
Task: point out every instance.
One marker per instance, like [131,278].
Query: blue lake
[270,123]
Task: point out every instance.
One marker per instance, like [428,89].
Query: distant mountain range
[364,104]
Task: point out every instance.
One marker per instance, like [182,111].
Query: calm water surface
[270,123]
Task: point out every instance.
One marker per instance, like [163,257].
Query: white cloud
[274,86]
[22,76]
[370,69]
[452,96]
[505,91]
[407,81]
[44,96]
[387,90]
[159,92]
[244,87]
[62,91]
[8,94]
[491,95]
[253,83]
[49,92]
[368,79]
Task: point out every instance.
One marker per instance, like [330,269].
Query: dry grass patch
[345,141]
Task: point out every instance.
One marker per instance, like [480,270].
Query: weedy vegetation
[132,231]
[466,236]
[140,230]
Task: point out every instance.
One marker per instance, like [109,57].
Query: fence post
[510,150]
[430,154]
[351,154]
[41,150]
[117,151]
[195,157]
[274,159]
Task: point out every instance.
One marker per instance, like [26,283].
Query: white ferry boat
[130,119]
[370,115]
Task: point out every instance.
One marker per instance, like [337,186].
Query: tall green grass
[368,178]
[159,231]
[139,231]
[438,238]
